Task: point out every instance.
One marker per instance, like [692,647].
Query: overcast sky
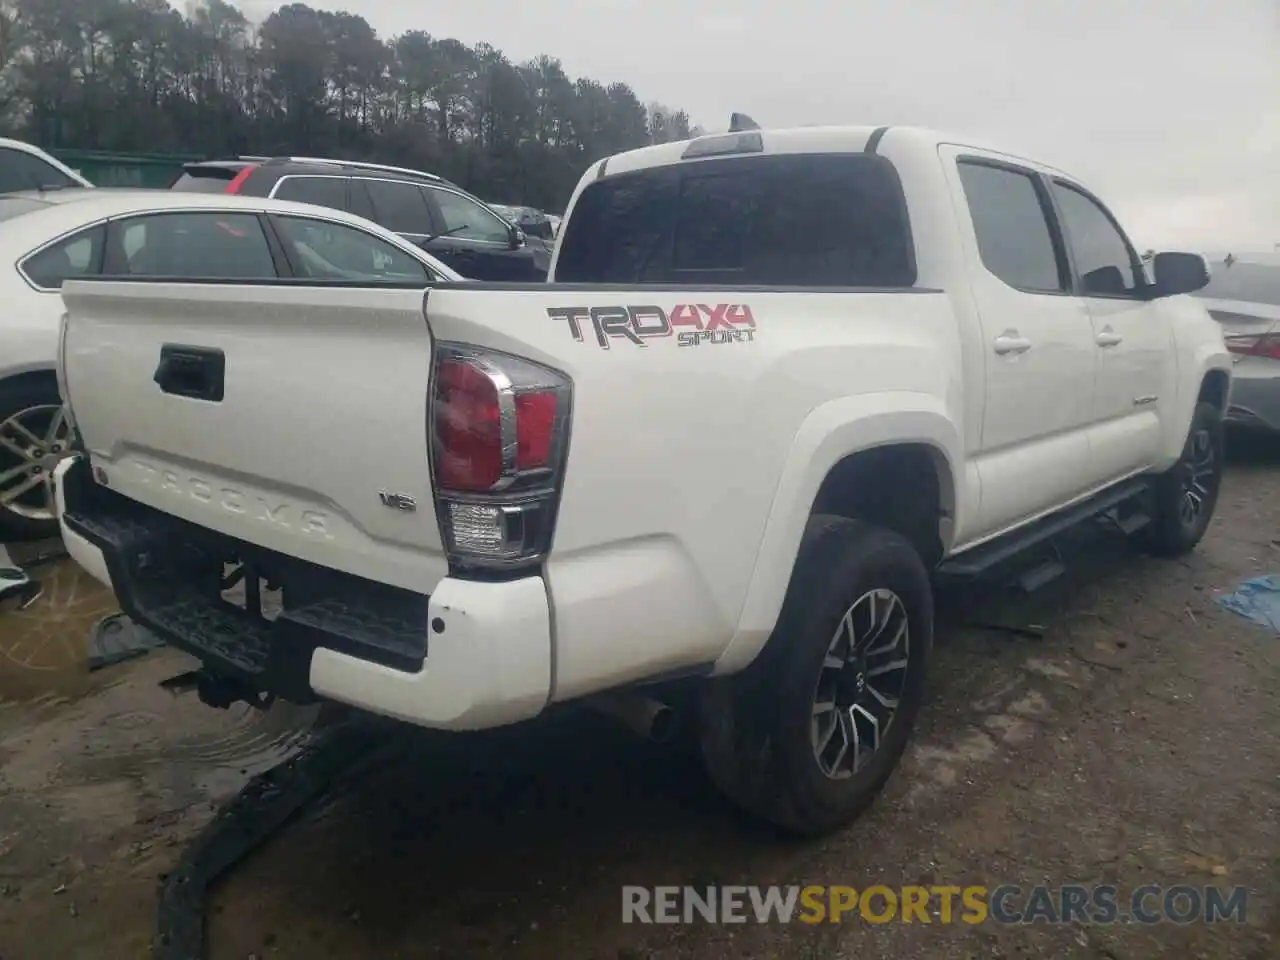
[1169,109]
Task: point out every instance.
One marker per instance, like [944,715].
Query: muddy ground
[1137,742]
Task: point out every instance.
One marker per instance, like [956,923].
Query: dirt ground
[1136,742]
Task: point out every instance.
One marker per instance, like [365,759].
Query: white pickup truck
[779,380]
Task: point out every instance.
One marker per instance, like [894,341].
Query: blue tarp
[1257,600]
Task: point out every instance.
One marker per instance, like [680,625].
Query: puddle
[43,656]
[118,722]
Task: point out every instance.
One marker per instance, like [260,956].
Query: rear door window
[820,220]
[1010,222]
[322,191]
[76,256]
[209,245]
[400,206]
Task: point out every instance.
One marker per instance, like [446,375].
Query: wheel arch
[1215,388]
[1204,375]
[839,446]
[28,371]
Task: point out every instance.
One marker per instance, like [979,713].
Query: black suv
[439,216]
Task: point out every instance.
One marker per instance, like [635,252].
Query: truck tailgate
[289,417]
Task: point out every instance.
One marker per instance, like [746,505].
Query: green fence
[106,169]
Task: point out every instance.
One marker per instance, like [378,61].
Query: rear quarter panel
[677,452]
[29,333]
[1199,349]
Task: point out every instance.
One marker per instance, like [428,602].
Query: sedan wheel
[32,442]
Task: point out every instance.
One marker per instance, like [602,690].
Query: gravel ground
[1134,743]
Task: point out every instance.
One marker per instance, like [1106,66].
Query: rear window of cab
[803,220]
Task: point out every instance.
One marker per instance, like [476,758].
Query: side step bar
[983,559]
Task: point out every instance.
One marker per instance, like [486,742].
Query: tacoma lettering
[231,500]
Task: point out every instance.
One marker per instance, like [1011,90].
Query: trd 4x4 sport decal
[692,324]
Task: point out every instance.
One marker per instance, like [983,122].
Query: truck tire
[29,407]
[807,736]
[1185,495]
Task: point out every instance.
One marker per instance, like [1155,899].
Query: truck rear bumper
[470,656]
[490,665]
[79,548]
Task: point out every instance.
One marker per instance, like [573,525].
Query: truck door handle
[195,372]
[1011,342]
[1107,337]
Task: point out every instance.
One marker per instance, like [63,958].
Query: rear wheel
[1187,493]
[808,735]
[34,436]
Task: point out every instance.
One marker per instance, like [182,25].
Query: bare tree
[137,75]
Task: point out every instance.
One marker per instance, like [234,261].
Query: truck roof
[818,139]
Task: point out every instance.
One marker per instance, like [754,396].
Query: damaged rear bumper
[469,656]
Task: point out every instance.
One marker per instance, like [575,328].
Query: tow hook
[217,690]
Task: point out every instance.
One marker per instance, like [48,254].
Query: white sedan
[1244,296]
[48,237]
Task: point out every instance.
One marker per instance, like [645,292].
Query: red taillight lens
[235,185]
[468,428]
[535,429]
[1254,345]
[498,428]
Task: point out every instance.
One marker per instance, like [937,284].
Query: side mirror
[517,238]
[1105,281]
[1175,273]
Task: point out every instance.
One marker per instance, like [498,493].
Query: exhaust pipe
[648,718]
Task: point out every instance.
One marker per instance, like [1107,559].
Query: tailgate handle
[195,372]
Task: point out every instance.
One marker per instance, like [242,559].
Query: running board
[982,559]
[1133,523]
[1041,576]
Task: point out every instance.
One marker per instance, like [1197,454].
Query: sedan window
[323,250]
[20,170]
[209,245]
[77,256]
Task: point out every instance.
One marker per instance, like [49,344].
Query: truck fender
[828,434]
[1207,358]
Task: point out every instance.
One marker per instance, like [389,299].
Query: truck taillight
[499,430]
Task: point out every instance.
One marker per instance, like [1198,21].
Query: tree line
[139,76]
